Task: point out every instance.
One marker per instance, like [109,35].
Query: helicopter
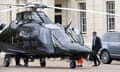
[33,35]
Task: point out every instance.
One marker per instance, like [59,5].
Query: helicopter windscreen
[45,18]
[77,37]
[39,17]
[35,17]
[61,36]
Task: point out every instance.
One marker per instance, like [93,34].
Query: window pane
[58,10]
[110,8]
[83,17]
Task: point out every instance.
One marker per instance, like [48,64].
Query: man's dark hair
[94,33]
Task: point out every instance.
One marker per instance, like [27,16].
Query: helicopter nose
[79,50]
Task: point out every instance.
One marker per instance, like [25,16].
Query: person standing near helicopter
[96,45]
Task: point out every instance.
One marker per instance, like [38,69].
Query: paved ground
[61,66]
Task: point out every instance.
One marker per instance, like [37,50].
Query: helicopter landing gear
[73,64]
[42,62]
[26,62]
[6,62]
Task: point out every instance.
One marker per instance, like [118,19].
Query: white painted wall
[5,16]
[117,11]
[49,12]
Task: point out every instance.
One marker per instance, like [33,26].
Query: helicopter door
[46,40]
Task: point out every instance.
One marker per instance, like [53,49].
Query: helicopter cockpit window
[18,17]
[27,16]
[45,18]
[35,17]
[74,36]
[24,17]
[26,32]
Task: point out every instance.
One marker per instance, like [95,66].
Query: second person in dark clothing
[96,45]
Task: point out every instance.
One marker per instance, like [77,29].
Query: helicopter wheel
[6,62]
[73,64]
[26,62]
[42,62]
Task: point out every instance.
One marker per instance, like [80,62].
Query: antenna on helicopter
[66,27]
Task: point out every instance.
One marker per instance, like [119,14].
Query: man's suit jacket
[97,45]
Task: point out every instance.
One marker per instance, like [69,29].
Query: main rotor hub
[36,6]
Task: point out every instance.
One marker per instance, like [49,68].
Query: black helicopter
[34,35]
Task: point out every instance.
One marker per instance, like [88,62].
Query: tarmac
[57,65]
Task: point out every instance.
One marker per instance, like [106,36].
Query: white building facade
[86,22]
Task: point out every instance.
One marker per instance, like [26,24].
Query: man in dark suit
[96,45]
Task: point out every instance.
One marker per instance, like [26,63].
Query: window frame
[110,8]
[83,18]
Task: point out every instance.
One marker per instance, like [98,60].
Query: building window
[58,19]
[110,8]
[83,18]
[58,10]
[58,14]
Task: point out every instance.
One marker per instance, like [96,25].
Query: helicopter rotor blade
[19,5]
[5,4]
[10,9]
[38,5]
[81,10]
